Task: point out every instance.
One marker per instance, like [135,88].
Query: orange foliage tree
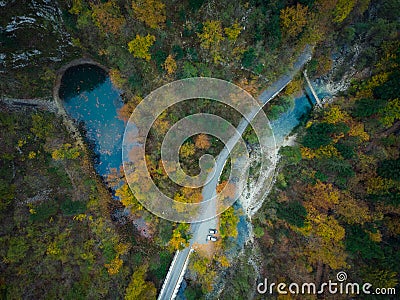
[294,19]
[151,12]
[202,141]
[107,17]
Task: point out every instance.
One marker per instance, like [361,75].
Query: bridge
[181,259]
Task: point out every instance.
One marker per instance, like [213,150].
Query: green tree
[389,169]
[6,194]
[293,212]
[317,135]
[17,249]
[42,126]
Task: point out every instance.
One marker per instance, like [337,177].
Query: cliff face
[31,34]
[33,44]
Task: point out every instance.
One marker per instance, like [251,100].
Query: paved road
[170,287]
[200,230]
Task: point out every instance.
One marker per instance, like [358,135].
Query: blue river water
[90,98]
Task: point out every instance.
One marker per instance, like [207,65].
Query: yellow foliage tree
[211,35]
[223,260]
[187,149]
[294,19]
[140,46]
[295,86]
[228,223]
[379,185]
[114,266]
[66,151]
[353,211]
[357,129]
[332,254]
[170,65]
[342,10]
[335,115]
[127,198]
[139,288]
[322,195]
[321,152]
[177,241]
[151,12]
[233,32]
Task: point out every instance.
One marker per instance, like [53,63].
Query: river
[91,100]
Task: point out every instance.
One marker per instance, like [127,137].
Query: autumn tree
[140,46]
[180,237]
[139,288]
[334,114]
[353,211]
[294,87]
[127,198]
[66,151]
[151,12]
[124,113]
[228,223]
[322,196]
[170,65]
[187,150]
[294,19]
[233,32]
[202,141]
[342,10]
[107,17]
[226,190]
[116,78]
[211,36]
[188,195]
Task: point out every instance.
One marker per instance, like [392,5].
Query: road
[200,230]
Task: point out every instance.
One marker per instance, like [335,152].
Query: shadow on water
[81,78]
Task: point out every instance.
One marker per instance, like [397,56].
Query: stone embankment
[53,104]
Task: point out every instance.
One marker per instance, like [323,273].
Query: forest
[335,202]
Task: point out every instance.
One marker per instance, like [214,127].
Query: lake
[90,99]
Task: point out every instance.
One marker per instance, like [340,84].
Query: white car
[211,238]
[212,231]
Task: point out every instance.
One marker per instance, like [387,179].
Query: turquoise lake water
[90,98]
